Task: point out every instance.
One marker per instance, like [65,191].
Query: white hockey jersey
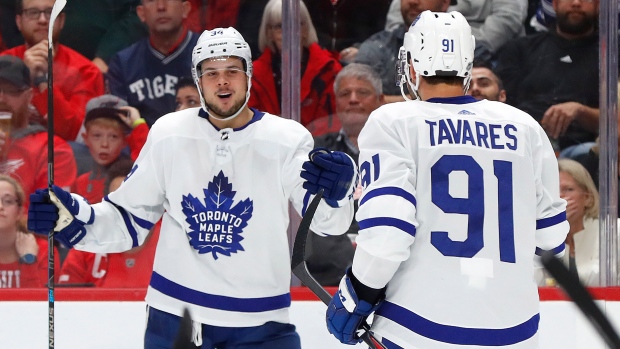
[458,196]
[224,195]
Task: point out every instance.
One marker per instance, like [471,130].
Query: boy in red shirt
[105,138]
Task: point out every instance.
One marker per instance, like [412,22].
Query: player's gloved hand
[61,211]
[346,312]
[333,171]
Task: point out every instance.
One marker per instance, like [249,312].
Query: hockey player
[222,177]
[458,195]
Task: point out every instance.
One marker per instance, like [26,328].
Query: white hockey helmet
[221,42]
[438,44]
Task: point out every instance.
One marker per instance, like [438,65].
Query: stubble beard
[575,28]
[215,109]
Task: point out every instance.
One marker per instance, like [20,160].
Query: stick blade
[56,9]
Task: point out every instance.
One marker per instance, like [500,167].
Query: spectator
[343,25]
[23,257]
[187,94]
[76,79]
[493,22]
[358,92]
[380,51]
[129,115]
[244,15]
[145,74]
[105,139]
[26,146]
[582,211]
[485,84]
[132,268]
[553,75]
[318,68]
[590,159]
[115,27]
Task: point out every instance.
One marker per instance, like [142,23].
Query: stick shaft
[50,182]
[300,268]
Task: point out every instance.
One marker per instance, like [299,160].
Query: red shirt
[317,85]
[114,270]
[136,140]
[76,81]
[91,189]
[17,275]
[27,161]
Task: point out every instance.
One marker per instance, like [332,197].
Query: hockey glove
[334,172]
[346,312]
[61,211]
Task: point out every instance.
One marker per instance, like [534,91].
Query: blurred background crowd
[119,65]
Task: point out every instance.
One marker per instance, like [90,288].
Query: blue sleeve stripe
[91,220]
[244,305]
[490,337]
[555,251]
[389,191]
[388,222]
[132,231]
[305,206]
[550,221]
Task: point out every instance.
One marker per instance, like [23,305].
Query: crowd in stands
[119,65]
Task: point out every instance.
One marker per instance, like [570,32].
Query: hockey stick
[573,287]
[300,269]
[56,9]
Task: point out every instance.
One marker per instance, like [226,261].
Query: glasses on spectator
[11,92]
[586,1]
[9,201]
[151,2]
[215,74]
[35,13]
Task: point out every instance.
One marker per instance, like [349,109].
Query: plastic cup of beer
[5,126]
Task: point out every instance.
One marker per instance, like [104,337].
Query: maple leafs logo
[216,226]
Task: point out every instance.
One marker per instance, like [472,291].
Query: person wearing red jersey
[318,68]
[76,79]
[23,257]
[26,146]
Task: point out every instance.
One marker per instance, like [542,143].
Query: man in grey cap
[24,146]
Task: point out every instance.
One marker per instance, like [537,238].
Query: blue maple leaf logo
[216,226]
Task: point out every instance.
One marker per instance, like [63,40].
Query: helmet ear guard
[436,44]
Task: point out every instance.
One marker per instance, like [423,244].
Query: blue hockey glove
[334,172]
[66,214]
[346,313]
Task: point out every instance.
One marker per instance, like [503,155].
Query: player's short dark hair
[185,81]
[119,168]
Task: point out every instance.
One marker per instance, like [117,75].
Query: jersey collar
[453,100]
[257,116]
